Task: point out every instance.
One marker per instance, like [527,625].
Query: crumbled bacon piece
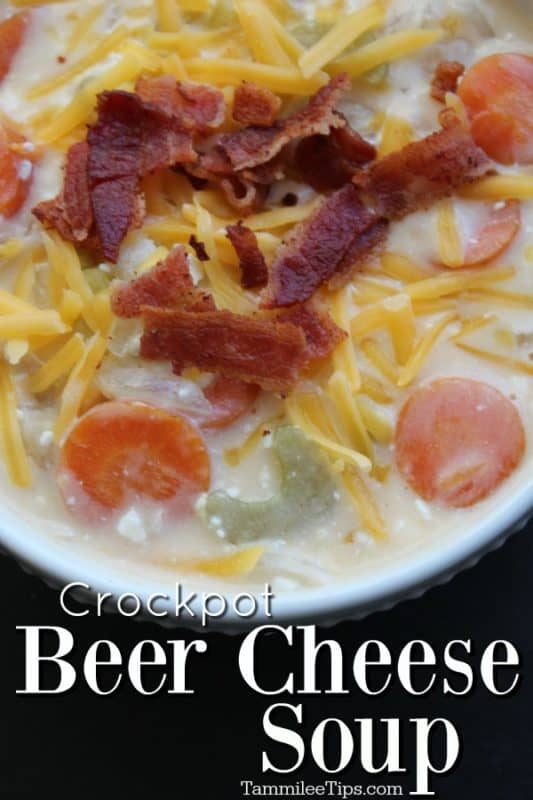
[328,162]
[254,145]
[254,271]
[246,196]
[316,247]
[445,79]
[167,285]
[129,140]
[199,248]
[424,171]
[322,335]
[262,351]
[352,222]
[200,108]
[255,105]
[362,246]
[70,213]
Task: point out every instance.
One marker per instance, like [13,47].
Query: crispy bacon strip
[199,108]
[247,148]
[322,335]
[262,351]
[70,213]
[423,172]
[254,271]
[315,248]
[353,221]
[445,79]
[181,324]
[167,285]
[129,140]
[199,248]
[255,105]
[328,162]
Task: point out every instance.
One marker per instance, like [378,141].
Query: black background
[201,746]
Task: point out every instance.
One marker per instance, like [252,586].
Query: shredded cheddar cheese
[395,134]
[340,36]
[78,384]
[449,241]
[15,455]
[385,49]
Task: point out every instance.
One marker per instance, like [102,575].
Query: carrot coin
[495,236]
[121,451]
[12,32]
[498,95]
[457,440]
[230,399]
[15,174]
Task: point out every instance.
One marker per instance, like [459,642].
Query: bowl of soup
[267,280]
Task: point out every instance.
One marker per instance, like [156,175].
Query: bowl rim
[407,576]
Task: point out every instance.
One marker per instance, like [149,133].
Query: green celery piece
[307,492]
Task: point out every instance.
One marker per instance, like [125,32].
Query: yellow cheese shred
[377,391]
[106,46]
[261,37]
[449,241]
[23,324]
[385,49]
[401,268]
[380,360]
[226,291]
[58,365]
[402,325]
[83,26]
[449,284]
[195,6]
[25,280]
[344,358]
[376,423]
[410,371]
[500,187]
[80,109]
[10,248]
[234,455]
[230,72]
[289,43]
[352,423]
[168,17]
[308,413]
[242,562]
[15,455]
[470,325]
[486,294]
[497,358]
[78,384]
[395,134]
[348,28]
[365,503]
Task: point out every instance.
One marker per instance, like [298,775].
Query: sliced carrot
[457,440]
[230,399]
[498,95]
[15,173]
[12,32]
[495,236]
[120,451]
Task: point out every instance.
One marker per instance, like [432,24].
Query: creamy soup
[415,420]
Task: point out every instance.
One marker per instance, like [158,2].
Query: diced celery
[306,493]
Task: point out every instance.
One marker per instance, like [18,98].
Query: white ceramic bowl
[59,565]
